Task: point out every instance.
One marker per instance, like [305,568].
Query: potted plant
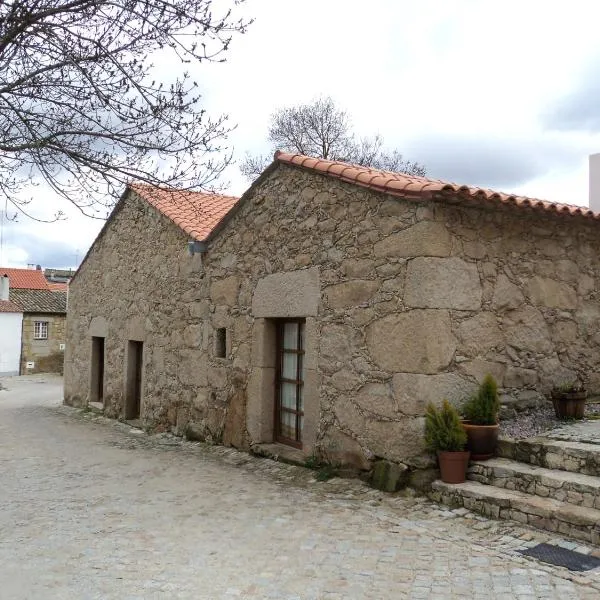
[445,435]
[481,420]
[569,400]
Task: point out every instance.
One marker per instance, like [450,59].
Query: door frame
[300,383]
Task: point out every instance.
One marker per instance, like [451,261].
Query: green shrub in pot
[445,436]
[482,409]
[481,420]
[443,430]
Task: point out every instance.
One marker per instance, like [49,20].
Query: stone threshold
[96,406]
[577,522]
[135,423]
[280,452]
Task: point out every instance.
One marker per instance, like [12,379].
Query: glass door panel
[289,408]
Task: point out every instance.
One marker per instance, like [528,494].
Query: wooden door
[97,387]
[135,360]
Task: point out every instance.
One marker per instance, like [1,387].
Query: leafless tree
[83,106]
[322,130]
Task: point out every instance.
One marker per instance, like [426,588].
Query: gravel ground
[534,423]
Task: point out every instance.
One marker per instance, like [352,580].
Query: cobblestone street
[94,509]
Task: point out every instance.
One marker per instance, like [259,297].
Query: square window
[40,330]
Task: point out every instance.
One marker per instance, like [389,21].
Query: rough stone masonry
[405,302]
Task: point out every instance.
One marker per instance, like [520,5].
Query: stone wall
[406,302]
[418,301]
[140,283]
[46,355]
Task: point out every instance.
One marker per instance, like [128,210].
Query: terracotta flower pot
[569,405]
[481,440]
[453,466]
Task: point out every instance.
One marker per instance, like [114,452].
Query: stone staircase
[546,483]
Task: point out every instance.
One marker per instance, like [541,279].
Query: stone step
[576,457]
[574,488]
[577,522]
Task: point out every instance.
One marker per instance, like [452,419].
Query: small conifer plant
[482,409]
[443,429]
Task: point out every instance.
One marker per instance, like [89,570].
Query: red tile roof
[58,287]
[399,184]
[25,279]
[9,307]
[197,213]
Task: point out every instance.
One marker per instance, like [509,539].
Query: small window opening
[221,343]
[40,330]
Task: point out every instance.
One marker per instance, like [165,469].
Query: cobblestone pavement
[94,509]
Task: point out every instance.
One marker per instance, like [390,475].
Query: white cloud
[461,84]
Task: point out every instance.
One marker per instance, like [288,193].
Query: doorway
[289,383]
[133,403]
[97,376]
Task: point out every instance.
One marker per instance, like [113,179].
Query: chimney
[4,287]
[594,200]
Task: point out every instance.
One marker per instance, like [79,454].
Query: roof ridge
[404,184]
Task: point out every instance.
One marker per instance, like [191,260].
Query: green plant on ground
[443,429]
[482,409]
[324,470]
[312,462]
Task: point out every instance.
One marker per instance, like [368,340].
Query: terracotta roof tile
[39,301]
[400,184]
[25,279]
[197,213]
[58,287]
[9,307]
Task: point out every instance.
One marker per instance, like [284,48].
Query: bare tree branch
[322,130]
[81,104]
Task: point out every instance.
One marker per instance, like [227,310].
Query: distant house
[58,279]
[41,338]
[58,287]
[58,275]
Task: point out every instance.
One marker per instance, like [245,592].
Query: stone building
[42,335]
[326,307]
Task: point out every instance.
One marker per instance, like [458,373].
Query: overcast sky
[496,94]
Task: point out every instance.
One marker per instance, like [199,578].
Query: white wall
[10,343]
[594,202]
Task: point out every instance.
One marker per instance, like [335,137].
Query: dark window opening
[97,383]
[221,343]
